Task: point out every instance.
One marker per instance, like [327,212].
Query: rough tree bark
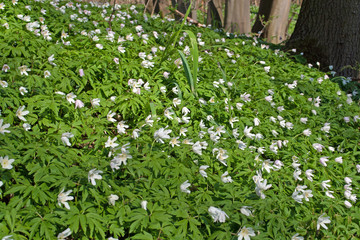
[182,6]
[328,31]
[194,7]
[275,32]
[277,13]
[158,7]
[237,16]
[262,16]
[214,14]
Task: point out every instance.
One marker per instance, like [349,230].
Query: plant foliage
[107,133]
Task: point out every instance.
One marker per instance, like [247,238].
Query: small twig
[154,6]
[39,215]
[146,6]
[110,19]
[159,234]
[289,21]
[189,19]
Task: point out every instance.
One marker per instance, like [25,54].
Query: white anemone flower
[20,113]
[225,178]
[202,170]
[112,198]
[121,158]
[6,162]
[176,102]
[71,97]
[63,235]
[161,134]
[121,127]
[184,187]
[246,211]
[325,185]
[174,142]
[261,186]
[110,116]
[93,175]
[144,204]
[347,204]
[8,237]
[23,90]
[322,221]
[95,102]
[246,233]
[309,174]
[318,147]
[247,132]
[47,74]
[63,197]
[24,69]
[297,237]
[307,132]
[323,160]
[4,127]
[65,138]
[217,214]
[111,142]
[3,84]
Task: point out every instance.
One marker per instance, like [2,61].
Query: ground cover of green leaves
[107,131]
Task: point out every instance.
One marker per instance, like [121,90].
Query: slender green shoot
[195,56]
[174,38]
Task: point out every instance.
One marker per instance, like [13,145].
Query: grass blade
[153,110]
[188,74]
[174,37]
[195,56]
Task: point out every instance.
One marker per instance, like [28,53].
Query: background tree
[262,16]
[328,31]
[182,6]
[272,20]
[237,16]
[194,8]
[158,7]
[215,15]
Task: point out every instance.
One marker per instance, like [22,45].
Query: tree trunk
[194,8]
[164,7]
[328,31]
[214,14]
[272,20]
[183,5]
[158,7]
[262,16]
[275,32]
[237,16]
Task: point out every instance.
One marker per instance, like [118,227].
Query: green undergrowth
[116,125]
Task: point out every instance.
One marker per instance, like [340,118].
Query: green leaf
[188,74]
[143,236]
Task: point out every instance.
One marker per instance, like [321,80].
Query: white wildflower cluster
[121,157]
[221,155]
[220,136]
[136,85]
[217,214]
[3,127]
[161,134]
[199,146]
[63,197]
[349,195]
[36,27]
[261,185]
